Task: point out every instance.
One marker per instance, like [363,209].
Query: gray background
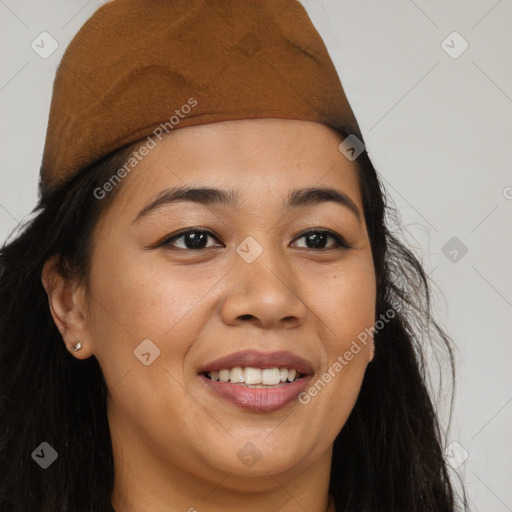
[437,128]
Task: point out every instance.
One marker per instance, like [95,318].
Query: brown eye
[197,240]
[317,239]
[192,239]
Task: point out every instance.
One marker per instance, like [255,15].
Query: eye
[316,239]
[192,239]
[197,239]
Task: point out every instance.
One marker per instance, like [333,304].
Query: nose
[265,292]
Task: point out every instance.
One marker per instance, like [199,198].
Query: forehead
[261,159]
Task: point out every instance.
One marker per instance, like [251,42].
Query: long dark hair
[387,457]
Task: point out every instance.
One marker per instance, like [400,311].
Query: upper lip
[259,359]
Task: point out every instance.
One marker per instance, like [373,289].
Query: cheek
[144,297]
[345,301]
[135,299]
[346,308]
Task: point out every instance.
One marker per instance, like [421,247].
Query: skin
[176,444]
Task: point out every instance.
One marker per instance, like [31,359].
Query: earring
[77,347]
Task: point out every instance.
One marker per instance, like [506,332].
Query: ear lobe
[66,307]
[372,352]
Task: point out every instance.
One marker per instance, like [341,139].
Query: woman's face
[179,285]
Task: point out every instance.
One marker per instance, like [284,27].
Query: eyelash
[341,243]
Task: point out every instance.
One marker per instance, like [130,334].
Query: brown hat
[139,68]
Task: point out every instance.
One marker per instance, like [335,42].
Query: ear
[67,306]
[371,354]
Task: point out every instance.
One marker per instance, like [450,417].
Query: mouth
[257,381]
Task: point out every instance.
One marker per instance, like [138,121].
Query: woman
[219,317]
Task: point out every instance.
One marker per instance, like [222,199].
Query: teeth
[224,375]
[252,375]
[237,374]
[255,376]
[270,376]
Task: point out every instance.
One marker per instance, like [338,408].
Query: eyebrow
[214,196]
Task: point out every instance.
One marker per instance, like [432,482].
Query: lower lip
[257,399]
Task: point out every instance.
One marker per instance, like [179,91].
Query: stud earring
[77,347]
